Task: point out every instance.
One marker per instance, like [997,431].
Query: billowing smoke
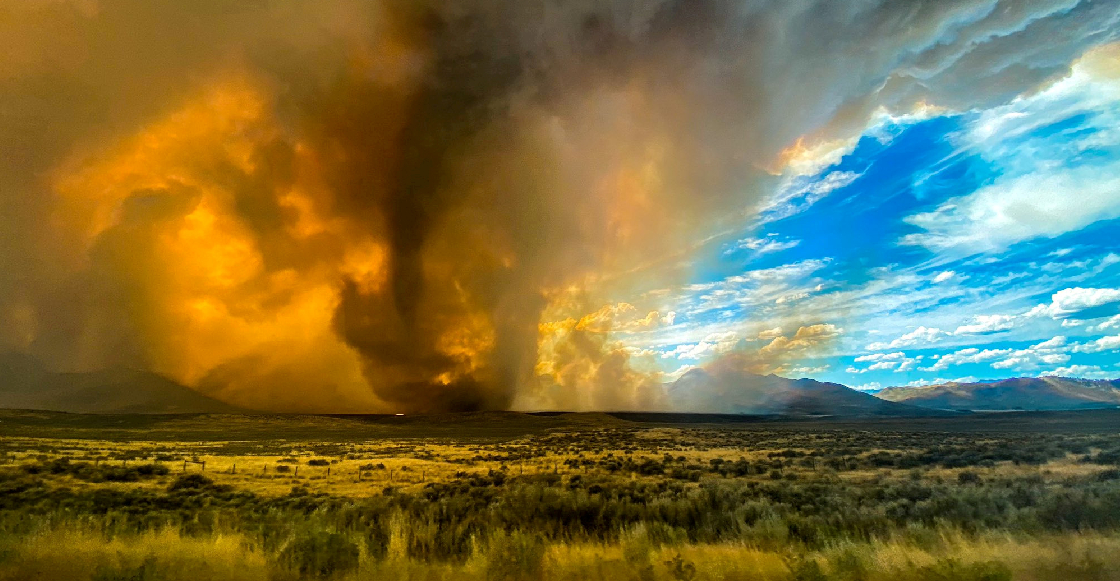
[343,205]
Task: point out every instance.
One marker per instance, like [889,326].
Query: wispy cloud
[764,245]
[799,193]
[1053,177]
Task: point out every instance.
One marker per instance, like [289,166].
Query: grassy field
[559,496]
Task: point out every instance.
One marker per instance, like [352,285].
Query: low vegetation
[616,500]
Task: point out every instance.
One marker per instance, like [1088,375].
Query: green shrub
[515,556]
[190,482]
[145,571]
[850,567]
[432,540]
[681,570]
[803,569]
[1085,568]
[320,554]
[968,477]
[377,537]
[636,550]
[954,570]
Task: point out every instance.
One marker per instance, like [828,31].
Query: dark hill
[26,384]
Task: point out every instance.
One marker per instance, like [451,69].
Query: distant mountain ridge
[699,390]
[1020,393]
[26,384]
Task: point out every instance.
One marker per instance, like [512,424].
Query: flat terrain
[498,426]
[559,496]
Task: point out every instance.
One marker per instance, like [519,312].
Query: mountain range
[1020,393]
[26,384]
[732,391]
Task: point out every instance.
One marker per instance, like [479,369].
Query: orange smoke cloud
[375,221]
[159,214]
[347,205]
[581,366]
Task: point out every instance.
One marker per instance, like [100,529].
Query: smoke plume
[413,205]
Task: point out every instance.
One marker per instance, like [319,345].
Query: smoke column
[349,205]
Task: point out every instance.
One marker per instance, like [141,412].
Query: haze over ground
[411,206]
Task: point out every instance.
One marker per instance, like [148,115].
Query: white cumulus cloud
[919,335]
[1109,343]
[983,324]
[1072,300]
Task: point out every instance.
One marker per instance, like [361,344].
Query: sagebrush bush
[148,570]
[320,554]
[954,570]
[515,556]
[637,552]
[190,482]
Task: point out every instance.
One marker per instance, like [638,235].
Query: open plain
[985,497]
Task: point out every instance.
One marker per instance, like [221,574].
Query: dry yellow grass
[79,555]
[411,464]
[60,555]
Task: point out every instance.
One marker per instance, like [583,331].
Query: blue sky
[940,245]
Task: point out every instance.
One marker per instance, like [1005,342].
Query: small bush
[377,540]
[954,570]
[806,570]
[190,482]
[968,477]
[681,570]
[636,549]
[515,556]
[321,554]
[1085,568]
[146,571]
[1110,474]
[850,567]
